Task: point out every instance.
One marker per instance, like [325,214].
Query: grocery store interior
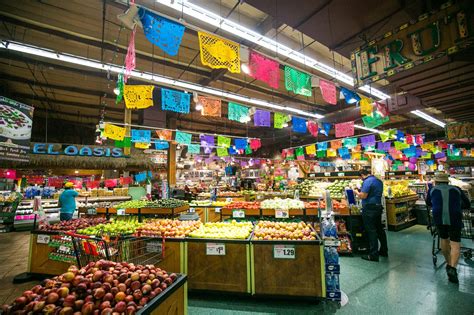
[236,157]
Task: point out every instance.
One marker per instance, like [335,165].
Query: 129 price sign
[284,251]
[215,249]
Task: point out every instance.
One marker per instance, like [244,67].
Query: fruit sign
[284,251]
[42,239]
[215,249]
[238,214]
[282,214]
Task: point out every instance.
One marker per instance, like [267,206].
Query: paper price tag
[217,210]
[228,199]
[391,174]
[408,173]
[91,211]
[238,214]
[42,239]
[340,174]
[63,248]
[312,175]
[282,214]
[284,251]
[215,249]
[154,247]
[120,211]
[192,210]
[327,174]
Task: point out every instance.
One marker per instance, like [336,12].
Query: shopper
[67,202]
[371,194]
[447,202]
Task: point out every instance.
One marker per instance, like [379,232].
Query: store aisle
[405,283]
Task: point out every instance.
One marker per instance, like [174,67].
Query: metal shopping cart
[137,250]
[435,249]
[467,231]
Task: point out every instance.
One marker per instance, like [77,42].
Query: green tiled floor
[405,283]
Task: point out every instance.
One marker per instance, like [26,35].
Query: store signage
[42,239]
[460,131]
[120,211]
[284,251]
[92,211]
[64,249]
[238,214]
[154,247]
[16,120]
[215,249]
[76,150]
[217,210]
[282,214]
[431,36]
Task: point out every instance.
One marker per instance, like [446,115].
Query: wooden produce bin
[38,260]
[296,268]
[400,207]
[227,213]
[228,272]
[213,214]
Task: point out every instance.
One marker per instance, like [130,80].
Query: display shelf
[142,211]
[38,261]
[402,225]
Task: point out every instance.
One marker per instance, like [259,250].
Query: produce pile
[167,228]
[229,194]
[246,205]
[73,225]
[219,203]
[272,230]
[398,188]
[162,203]
[102,287]
[312,188]
[225,230]
[12,197]
[282,204]
[200,203]
[118,227]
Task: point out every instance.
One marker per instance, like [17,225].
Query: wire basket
[140,251]
[467,220]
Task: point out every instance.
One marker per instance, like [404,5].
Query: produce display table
[142,211]
[288,268]
[38,260]
[218,265]
[398,212]
[174,300]
[208,213]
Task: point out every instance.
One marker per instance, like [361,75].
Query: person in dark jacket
[447,202]
[371,194]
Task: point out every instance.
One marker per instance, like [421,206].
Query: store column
[171,160]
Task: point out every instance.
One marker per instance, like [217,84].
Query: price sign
[120,211]
[42,239]
[284,251]
[154,247]
[282,214]
[340,174]
[408,173]
[228,199]
[217,210]
[63,248]
[215,249]
[333,243]
[238,214]
[312,175]
[391,174]
[327,174]
[92,211]
[192,210]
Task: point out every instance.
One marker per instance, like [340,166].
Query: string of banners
[159,139]
[400,150]
[220,53]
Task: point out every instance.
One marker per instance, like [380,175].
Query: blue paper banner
[400,135]
[233,151]
[344,153]
[326,127]
[351,97]
[161,31]
[367,141]
[322,146]
[162,145]
[240,144]
[143,136]
[430,162]
[383,146]
[175,101]
[298,124]
[140,177]
[410,152]
[183,137]
[194,148]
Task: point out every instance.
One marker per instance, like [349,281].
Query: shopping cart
[467,232]
[137,250]
[435,249]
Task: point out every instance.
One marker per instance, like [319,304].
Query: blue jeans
[63,216]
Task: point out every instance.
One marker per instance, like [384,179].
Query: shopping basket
[467,231]
[137,250]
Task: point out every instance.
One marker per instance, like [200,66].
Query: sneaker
[452,274]
[369,258]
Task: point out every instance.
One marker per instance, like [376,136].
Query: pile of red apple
[72,225]
[245,205]
[167,228]
[102,287]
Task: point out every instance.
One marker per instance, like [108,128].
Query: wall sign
[460,131]
[16,120]
[432,36]
[76,150]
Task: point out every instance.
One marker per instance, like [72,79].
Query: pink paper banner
[313,128]
[264,69]
[382,109]
[328,90]
[345,129]
[255,144]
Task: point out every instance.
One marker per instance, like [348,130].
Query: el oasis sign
[76,150]
[432,36]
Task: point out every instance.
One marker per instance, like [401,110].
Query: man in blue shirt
[371,194]
[447,202]
[67,202]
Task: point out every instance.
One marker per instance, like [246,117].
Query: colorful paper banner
[161,145]
[313,128]
[345,129]
[114,132]
[298,124]
[255,144]
[143,136]
[210,106]
[322,146]
[297,81]
[222,152]
[194,148]
[326,128]
[175,101]
[349,142]
[138,96]
[311,149]
[140,145]
[264,69]
[351,97]
[183,137]
[164,134]
[279,120]
[223,142]
[366,107]
[328,91]
[240,144]
[375,120]
[219,53]
[237,112]
[261,118]
[336,144]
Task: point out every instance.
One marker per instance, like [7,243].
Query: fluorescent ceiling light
[91,63]
[368,129]
[428,118]
[195,11]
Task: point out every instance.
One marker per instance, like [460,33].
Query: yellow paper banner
[427,146]
[114,132]
[356,156]
[140,145]
[218,53]
[366,107]
[311,149]
[331,153]
[138,96]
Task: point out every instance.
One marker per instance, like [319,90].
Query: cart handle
[77,235]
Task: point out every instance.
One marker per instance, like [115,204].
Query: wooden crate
[227,273]
[212,215]
[38,261]
[173,258]
[302,276]
[173,301]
